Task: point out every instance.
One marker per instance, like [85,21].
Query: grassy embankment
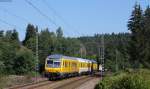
[12,80]
[130,79]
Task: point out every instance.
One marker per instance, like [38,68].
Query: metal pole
[116,60]
[37,56]
[102,55]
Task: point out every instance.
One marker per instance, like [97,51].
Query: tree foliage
[24,62]
[30,37]
[136,28]
[13,58]
[139,26]
[146,42]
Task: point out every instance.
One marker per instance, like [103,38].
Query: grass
[2,81]
[129,79]
[11,80]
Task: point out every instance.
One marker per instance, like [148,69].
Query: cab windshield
[54,63]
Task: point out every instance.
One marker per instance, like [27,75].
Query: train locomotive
[60,66]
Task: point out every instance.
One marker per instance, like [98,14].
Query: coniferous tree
[1,33]
[8,35]
[136,29]
[59,32]
[15,35]
[30,33]
[30,38]
[146,50]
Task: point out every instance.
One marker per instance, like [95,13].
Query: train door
[88,67]
[92,67]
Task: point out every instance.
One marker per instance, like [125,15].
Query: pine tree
[146,50]
[1,33]
[8,35]
[30,38]
[14,35]
[136,29]
[59,32]
[30,33]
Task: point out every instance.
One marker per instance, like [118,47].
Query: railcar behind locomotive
[59,66]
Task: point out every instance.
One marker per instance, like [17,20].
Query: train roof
[93,61]
[84,60]
[58,56]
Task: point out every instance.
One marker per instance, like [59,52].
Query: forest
[19,57]
[122,50]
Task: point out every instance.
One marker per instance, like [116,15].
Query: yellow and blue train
[60,66]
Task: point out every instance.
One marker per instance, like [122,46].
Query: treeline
[14,58]
[19,57]
[116,45]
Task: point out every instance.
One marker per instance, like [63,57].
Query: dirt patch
[14,80]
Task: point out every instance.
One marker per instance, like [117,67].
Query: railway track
[74,84]
[70,83]
[29,84]
[64,82]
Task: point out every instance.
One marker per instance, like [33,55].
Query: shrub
[124,81]
[130,82]
[24,62]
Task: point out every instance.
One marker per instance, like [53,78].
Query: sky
[76,17]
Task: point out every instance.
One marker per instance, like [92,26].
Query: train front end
[53,66]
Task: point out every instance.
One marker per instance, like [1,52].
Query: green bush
[130,82]
[126,81]
[25,62]
[3,81]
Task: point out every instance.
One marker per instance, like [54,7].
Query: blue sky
[83,17]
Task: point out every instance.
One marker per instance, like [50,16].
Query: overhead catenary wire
[41,13]
[59,16]
[8,23]
[14,15]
